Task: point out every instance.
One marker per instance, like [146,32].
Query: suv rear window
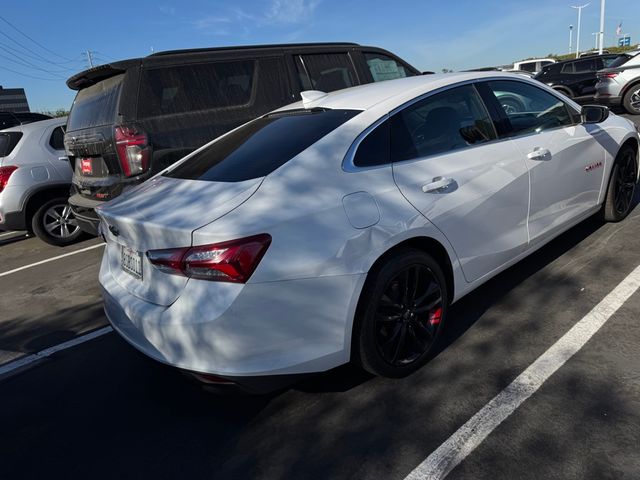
[8,141]
[96,105]
[259,147]
[188,88]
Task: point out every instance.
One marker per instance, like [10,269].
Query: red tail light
[133,150]
[233,261]
[607,75]
[5,173]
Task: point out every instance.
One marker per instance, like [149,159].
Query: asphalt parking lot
[102,410]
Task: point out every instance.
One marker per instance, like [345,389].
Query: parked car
[132,118]
[11,119]
[577,78]
[619,85]
[534,65]
[266,254]
[35,177]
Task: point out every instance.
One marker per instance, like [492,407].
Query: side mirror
[594,114]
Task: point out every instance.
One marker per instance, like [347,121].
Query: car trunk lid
[162,213]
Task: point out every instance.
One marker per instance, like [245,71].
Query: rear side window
[8,141]
[57,138]
[188,88]
[441,123]
[528,67]
[568,68]
[328,71]
[96,105]
[258,148]
[374,148]
[383,67]
[584,66]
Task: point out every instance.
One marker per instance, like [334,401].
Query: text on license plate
[131,261]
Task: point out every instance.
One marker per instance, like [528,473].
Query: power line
[22,64]
[27,36]
[19,53]
[40,57]
[30,76]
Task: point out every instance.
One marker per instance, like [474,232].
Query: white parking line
[29,359]
[471,434]
[3,274]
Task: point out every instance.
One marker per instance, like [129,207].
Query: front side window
[529,109]
[329,71]
[568,68]
[383,67]
[441,123]
[259,147]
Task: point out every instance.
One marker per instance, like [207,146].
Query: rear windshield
[8,141]
[259,147]
[621,60]
[96,105]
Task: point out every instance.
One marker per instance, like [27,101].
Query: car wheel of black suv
[621,187]
[55,224]
[401,314]
[631,100]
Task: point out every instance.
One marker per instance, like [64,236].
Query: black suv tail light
[133,150]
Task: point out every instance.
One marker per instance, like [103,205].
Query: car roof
[39,125]
[392,93]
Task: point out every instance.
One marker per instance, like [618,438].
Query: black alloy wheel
[403,309]
[622,185]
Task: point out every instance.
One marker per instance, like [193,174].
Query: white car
[343,227]
[534,65]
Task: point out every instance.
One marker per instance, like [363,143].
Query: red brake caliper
[435,316]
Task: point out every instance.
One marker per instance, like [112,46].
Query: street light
[570,38]
[579,8]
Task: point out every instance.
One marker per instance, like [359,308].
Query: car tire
[621,187]
[631,100]
[55,224]
[401,314]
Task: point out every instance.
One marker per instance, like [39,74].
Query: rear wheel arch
[39,197]
[631,85]
[564,90]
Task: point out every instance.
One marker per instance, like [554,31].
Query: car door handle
[437,184]
[63,159]
[539,154]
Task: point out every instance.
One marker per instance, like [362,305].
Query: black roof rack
[249,47]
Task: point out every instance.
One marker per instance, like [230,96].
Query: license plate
[131,262]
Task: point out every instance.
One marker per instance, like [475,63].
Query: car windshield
[259,147]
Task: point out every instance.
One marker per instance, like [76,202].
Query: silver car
[35,178]
[619,85]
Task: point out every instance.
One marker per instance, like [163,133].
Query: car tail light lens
[607,75]
[233,261]
[5,173]
[86,166]
[133,150]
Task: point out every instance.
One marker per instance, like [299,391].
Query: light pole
[570,38]
[579,8]
[602,2]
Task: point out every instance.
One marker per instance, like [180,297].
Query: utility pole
[579,8]
[602,2]
[89,58]
[570,38]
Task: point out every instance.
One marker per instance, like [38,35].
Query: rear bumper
[86,216]
[241,331]
[13,221]
[608,100]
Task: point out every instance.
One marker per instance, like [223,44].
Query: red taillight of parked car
[5,173]
[607,75]
[133,150]
[233,261]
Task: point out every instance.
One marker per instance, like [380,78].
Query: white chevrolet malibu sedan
[342,227]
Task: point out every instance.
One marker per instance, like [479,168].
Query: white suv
[35,179]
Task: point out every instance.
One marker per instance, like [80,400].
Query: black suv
[133,118]
[577,78]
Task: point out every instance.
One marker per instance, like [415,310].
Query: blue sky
[430,34]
